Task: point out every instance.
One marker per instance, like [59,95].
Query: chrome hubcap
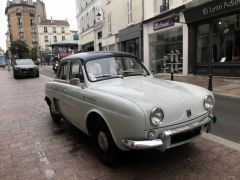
[103,141]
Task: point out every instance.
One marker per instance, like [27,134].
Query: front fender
[124,118]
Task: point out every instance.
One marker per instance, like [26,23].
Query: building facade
[23,17]
[122,28]
[165,36]
[214,37]
[53,31]
[87,19]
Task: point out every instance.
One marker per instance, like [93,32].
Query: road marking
[222,141]
[49,173]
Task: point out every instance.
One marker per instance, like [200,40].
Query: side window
[76,71]
[62,74]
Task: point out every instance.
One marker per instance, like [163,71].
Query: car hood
[174,98]
[25,66]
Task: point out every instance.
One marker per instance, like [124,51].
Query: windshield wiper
[109,75]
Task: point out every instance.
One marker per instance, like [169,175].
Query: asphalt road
[47,71]
[227,112]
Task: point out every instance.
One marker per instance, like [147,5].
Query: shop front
[131,40]
[87,41]
[214,36]
[164,39]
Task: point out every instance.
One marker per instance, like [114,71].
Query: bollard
[172,76]
[210,88]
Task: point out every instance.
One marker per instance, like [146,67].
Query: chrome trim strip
[141,145]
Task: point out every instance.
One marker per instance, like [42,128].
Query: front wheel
[56,117]
[106,149]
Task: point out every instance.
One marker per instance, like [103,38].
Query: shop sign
[164,23]
[211,9]
[219,7]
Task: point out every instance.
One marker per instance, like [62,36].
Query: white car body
[125,104]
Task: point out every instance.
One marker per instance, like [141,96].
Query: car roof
[87,56]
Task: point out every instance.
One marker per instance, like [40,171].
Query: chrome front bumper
[173,137]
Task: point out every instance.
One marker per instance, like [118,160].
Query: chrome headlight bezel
[156,117]
[209,103]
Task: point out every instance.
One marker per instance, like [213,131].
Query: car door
[60,87]
[76,94]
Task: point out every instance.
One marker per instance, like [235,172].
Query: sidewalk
[226,86]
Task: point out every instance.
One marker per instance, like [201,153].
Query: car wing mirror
[74,81]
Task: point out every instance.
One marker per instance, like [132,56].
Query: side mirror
[74,81]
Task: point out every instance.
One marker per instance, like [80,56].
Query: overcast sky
[58,9]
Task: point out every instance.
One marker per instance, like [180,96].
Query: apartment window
[31,13]
[55,38]
[19,21]
[62,29]
[46,38]
[21,36]
[63,38]
[45,29]
[129,6]
[54,30]
[109,24]
[18,12]
[32,22]
[99,35]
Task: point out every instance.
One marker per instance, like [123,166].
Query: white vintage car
[112,97]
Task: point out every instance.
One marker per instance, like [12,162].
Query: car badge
[189,113]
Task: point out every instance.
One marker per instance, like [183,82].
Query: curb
[222,141]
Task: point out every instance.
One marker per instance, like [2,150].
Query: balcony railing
[164,7]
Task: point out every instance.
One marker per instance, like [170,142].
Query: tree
[19,49]
[7,54]
[33,54]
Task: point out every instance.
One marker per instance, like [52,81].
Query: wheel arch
[93,118]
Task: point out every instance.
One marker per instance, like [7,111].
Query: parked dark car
[24,68]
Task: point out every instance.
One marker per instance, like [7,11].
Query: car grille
[181,137]
[27,70]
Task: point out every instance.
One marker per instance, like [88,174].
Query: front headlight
[209,103]
[156,116]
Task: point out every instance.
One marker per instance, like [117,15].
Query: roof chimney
[51,20]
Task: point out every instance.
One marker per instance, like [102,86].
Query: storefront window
[226,39]
[132,46]
[202,43]
[166,50]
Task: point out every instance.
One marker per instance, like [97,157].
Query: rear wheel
[105,146]
[55,116]
[15,76]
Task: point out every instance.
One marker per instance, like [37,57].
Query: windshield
[2,60]
[114,67]
[24,62]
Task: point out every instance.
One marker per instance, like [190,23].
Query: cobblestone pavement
[32,147]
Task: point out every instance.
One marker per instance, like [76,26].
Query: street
[227,112]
